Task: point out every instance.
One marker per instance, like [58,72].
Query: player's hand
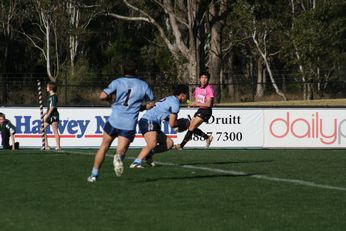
[189,103]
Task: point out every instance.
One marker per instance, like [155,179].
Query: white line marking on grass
[263,177]
[237,173]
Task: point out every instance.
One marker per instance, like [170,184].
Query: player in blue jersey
[127,95]
[150,125]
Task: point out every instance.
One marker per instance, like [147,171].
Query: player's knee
[170,144]
[152,145]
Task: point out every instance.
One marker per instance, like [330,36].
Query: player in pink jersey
[204,99]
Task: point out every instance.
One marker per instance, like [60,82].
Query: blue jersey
[162,109]
[129,92]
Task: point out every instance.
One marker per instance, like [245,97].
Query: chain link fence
[21,89]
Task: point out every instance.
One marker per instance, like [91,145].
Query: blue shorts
[148,126]
[115,132]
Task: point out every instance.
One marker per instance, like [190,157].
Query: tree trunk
[215,53]
[261,78]
[266,62]
[74,13]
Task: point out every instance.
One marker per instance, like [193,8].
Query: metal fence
[21,89]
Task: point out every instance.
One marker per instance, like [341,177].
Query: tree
[8,13]
[260,42]
[315,36]
[179,30]
[216,15]
[80,15]
[257,23]
[45,34]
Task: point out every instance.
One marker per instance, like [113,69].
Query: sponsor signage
[83,127]
[229,127]
[298,128]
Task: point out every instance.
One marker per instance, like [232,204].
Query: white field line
[237,173]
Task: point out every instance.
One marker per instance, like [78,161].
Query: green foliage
[317,34]
[318,37]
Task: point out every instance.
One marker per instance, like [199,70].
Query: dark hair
[130,67]
[204,73]
[181,88]
[2,115]
[52,86]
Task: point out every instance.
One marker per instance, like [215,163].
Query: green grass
[48,191]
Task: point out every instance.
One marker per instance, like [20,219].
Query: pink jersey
[203,94]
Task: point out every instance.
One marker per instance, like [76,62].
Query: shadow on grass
[196,177]
[228,162]
[33,152]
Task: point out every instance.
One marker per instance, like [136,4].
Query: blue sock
[95,172]
[137,161]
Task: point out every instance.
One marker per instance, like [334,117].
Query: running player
[127,95]
[150,125]
[204,99]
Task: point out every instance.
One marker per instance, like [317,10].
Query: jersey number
[127,96]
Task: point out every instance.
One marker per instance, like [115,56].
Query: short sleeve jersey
[129,92]
[203,94]
[162,109]
[7,125]
[52,101]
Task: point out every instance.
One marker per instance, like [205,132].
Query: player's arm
[109,93]
[50,111]
[12,129]
[149,100]
[51,108]
[173,120]
[147,106]
[13,141]
[53,105]
[105,97]
[47,114]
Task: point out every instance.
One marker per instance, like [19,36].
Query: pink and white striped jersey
[203,94]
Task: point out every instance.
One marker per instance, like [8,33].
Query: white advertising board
[82,127]
[229,127]
[304,128]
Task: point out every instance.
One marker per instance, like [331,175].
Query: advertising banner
[305,128]
[83,127]
[230,128]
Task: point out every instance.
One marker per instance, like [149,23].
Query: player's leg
[123,145]
[125,137]
[56,135]
[5,137]
[151,142]
[205,114]
[100,156]
[195,122]
[45,125]
[164,143]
